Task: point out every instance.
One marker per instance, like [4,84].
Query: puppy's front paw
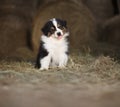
[43,68]
[62,66]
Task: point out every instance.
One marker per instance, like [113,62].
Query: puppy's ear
[65,23]
[44,30]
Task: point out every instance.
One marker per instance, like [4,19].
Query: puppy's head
[55,28]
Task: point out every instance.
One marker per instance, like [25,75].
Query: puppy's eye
[52,29]
[61,27]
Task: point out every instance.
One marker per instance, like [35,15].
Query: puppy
[53,51]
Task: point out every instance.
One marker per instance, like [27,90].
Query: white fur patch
[57,29]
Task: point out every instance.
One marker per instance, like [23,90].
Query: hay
[80,69]
[102,9]
[86,81]
[111,31]
[15,26]
[80,22]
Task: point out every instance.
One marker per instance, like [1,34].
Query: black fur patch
[41,54]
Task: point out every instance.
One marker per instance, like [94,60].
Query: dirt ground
[87,81]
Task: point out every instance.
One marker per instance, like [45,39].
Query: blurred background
[94,26]
[92,76]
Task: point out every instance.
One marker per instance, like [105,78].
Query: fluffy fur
[53,49]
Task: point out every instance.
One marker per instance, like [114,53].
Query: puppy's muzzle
[59,34]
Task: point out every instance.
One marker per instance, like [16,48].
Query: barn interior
[92,76]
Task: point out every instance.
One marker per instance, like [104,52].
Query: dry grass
[80,69]
[87,81]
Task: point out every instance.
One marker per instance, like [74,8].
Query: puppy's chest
[56,48]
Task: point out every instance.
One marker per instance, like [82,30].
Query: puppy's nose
[59,34]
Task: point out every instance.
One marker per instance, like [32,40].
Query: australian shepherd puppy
[53,51]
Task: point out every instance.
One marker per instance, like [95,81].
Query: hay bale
[23,8]
[111,30]
[13,35]
[80,22]
[102,9]
[15,25]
